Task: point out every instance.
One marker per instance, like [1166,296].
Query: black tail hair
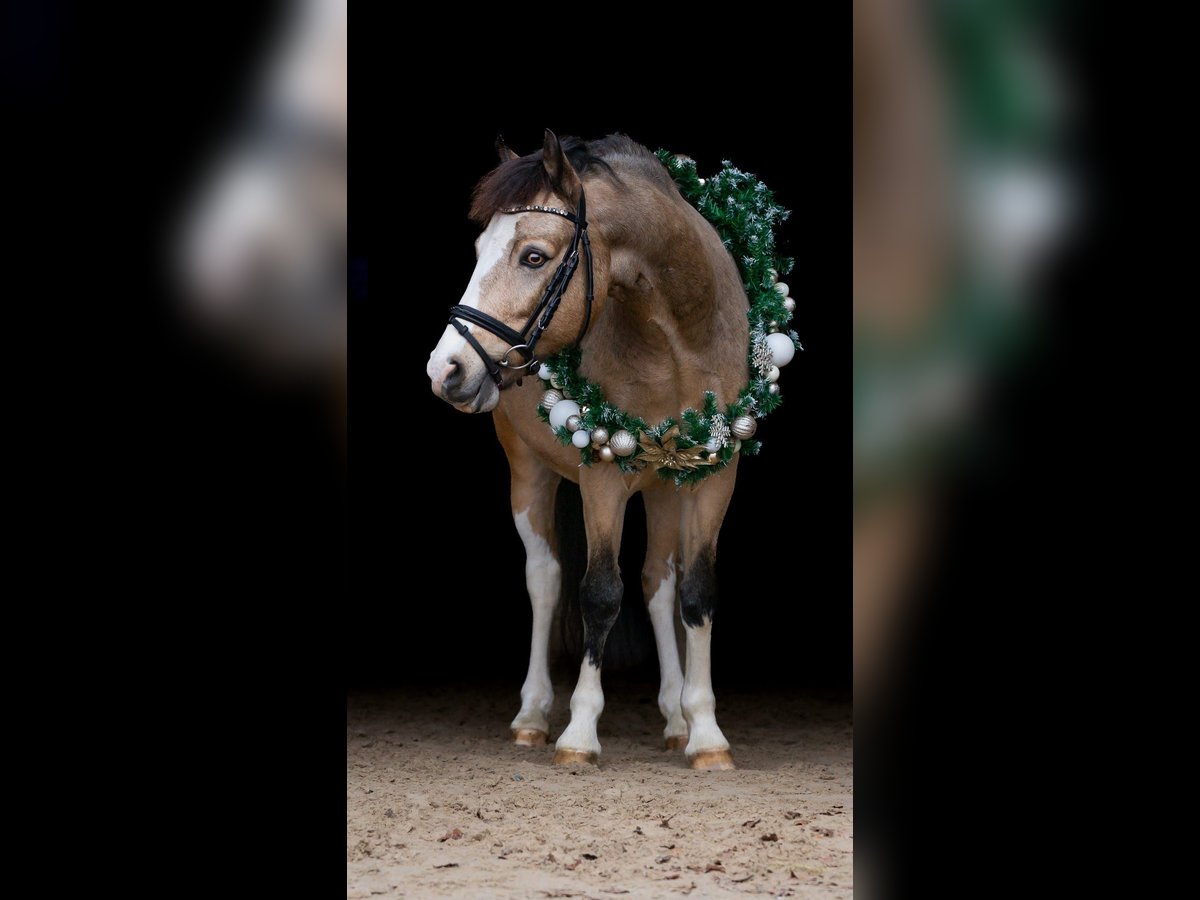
[631,642]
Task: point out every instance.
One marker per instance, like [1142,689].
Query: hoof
[677,741]
[529,737]
[565,757]
[711,760]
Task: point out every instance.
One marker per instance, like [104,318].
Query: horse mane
[518,181]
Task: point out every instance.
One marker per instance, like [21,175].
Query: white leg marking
[586,705]
[699,704]
[662,617]
[543,578]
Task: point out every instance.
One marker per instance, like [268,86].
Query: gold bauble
[623,443]
[743,427]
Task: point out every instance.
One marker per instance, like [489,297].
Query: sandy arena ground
[440,804]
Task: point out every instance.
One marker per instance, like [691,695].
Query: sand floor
[439,803]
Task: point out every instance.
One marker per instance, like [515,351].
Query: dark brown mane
[518,181]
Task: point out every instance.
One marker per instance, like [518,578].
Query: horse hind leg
[659,587]
[703,513]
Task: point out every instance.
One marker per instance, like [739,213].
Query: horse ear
[503,150]
[559,168]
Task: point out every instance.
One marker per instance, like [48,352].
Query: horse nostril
[454,375]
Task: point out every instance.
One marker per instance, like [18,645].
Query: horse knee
[658,582]
[698,592]
[600,601]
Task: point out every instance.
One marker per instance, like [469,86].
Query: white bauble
[623,443]
[782,349]
[714,445]
[782,288]
[561,411]
[773,374]
[544,372]
[581,439]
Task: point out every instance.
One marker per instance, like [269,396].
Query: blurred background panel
[247,305]
[963,194]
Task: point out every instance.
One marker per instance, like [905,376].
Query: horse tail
[630,644]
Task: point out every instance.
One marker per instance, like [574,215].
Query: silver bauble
[774,275]
[773,374]
[599,436]
[772,327]
[574,423]
[743,427]
[550,398]
[554,382]
[782,289]
[623,443]
[606,454]
[773,389]
[789,304]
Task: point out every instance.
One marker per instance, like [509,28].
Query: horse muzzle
[463,384]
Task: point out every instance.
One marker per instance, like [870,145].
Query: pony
[661,318]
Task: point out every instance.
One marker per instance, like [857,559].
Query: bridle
[525,341]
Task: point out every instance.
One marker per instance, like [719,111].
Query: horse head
[540,277]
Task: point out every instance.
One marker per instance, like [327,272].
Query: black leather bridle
[525,341]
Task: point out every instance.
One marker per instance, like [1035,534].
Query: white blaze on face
[493,251]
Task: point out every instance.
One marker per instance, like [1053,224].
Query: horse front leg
[604,500]
[533,490]
[703,512]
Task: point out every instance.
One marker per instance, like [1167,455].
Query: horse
[660,318]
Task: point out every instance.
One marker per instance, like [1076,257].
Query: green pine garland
[744,212]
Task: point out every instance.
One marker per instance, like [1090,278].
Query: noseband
[525,341]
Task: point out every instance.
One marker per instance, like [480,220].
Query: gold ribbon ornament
[663,454]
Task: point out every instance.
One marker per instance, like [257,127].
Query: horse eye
[533,259]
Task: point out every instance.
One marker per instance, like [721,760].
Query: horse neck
[676,309]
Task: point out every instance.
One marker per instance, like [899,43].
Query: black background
[784,556]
